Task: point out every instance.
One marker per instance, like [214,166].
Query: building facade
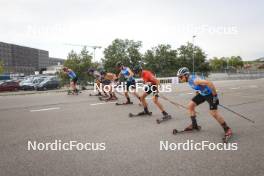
[21,59]
[6,56]
[43,59]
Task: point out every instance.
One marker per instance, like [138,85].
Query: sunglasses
[180,77]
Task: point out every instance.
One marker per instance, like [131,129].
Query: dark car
[49,83]
[9,86]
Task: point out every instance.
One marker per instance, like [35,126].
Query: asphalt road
[132,145]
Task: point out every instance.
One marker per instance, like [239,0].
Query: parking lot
[132,144]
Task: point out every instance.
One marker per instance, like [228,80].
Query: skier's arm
[114,77]
[131,74]
[206,83]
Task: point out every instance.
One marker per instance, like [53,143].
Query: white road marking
[96,104]
[190,93]
[234,88]
[253,86]
[47,109]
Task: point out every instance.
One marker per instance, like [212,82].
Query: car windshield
[28,80]
[35,81]
[39,80]
[44,81]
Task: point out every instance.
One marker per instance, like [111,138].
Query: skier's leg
[144,103]
[196,100]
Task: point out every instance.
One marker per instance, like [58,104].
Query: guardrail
[237,76]
[164,80]
[216,76]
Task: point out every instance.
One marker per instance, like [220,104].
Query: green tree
[186,53]
[218,64]
[162,60]
[226,63]
[236,62]
[126,51]
[1,67]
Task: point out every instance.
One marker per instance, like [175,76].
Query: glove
[215,99]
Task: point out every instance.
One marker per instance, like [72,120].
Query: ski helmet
[183,71]
[137,68]
[119,64]
[90,70]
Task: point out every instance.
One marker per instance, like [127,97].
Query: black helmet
[183,71]
[119,64]
[102,72]
[137,69]
[65,68]
[90,70]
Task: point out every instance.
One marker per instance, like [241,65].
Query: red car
[9,86]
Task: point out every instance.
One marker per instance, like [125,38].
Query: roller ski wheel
[227,136]
[70,92]
[126,103]
[102,98]
[139,114]
[96,95]
[111,99]
[74,92]
[175,131]
[164,118]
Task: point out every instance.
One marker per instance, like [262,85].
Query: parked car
[30,83]
[9,86]
[49,83]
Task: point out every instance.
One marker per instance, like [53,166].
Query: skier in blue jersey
[73,79]
[206,91]
[130,81]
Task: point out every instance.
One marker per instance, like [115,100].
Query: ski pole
[238,114]
[174,103]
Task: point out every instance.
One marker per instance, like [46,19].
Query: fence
[216,76]
[237,75]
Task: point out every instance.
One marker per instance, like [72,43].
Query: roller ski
[189,129]
[73,92]
[103,98]
[140,114]
[97,95]
[228,135]
[164,118]
[108,99]
[125,103]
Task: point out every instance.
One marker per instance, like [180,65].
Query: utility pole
[193,50]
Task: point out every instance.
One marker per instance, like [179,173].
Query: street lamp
[93,47]
[193,51]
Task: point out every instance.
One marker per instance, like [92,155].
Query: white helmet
[183,71]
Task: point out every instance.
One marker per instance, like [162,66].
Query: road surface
[132,145]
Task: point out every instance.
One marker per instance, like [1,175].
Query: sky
[222,28]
